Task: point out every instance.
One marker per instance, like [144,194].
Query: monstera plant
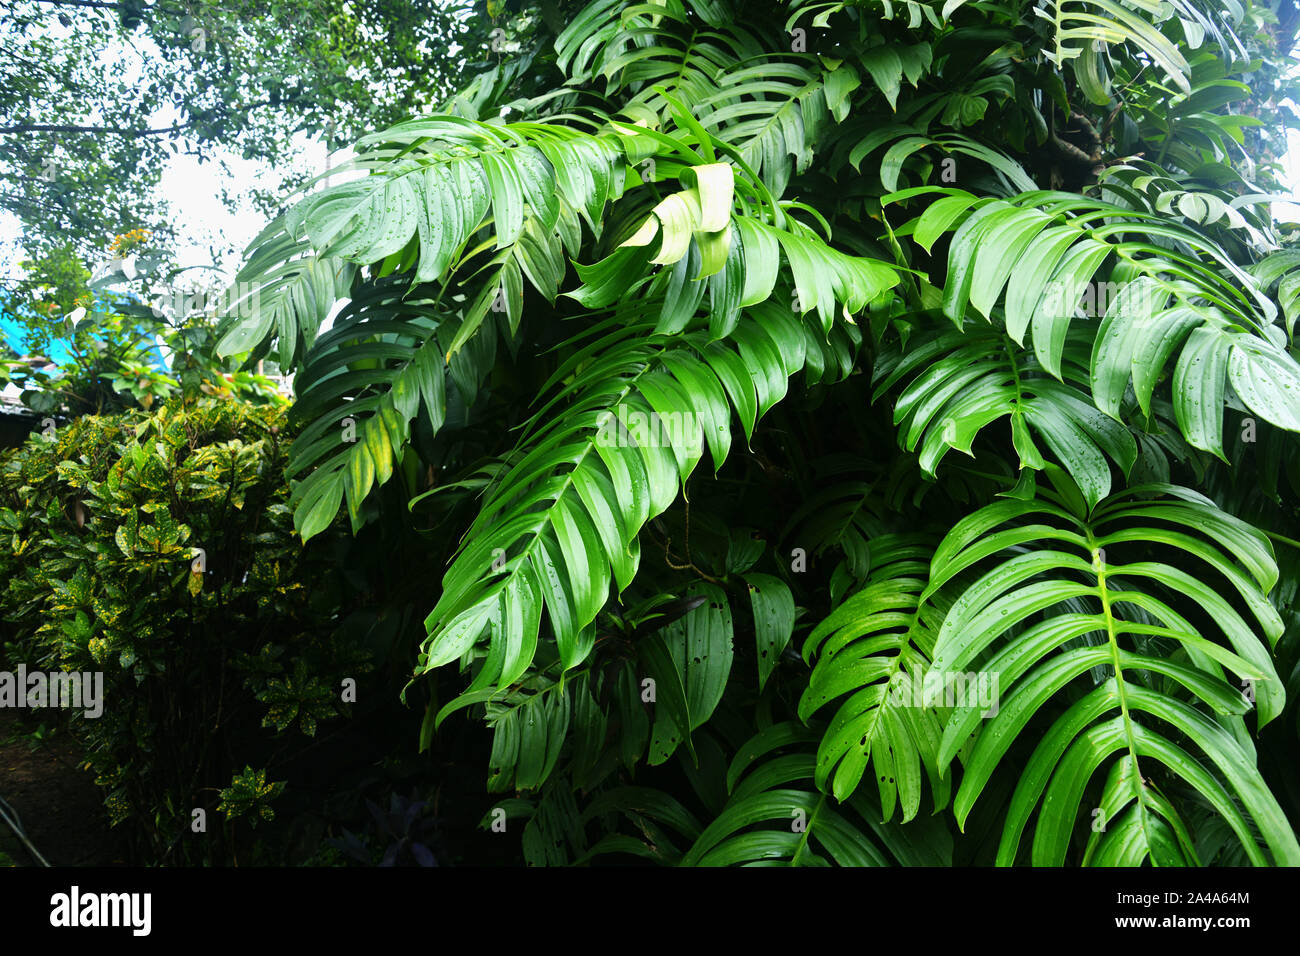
[662,333]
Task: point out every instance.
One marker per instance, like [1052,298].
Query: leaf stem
[1282,538]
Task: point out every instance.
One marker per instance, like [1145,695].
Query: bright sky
[1291,211]
[206,223]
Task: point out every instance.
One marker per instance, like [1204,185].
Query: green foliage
[55,284]
[827,244]
[114,343]
[249,795]
[158,549]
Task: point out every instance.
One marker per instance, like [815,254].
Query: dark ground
[60,807]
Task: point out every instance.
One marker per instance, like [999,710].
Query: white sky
[1291,211]
[204,222]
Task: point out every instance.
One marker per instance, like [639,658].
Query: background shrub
[158,548]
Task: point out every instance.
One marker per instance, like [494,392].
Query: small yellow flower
[123,244]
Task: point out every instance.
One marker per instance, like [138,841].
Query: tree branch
[98,4]
[118,130]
